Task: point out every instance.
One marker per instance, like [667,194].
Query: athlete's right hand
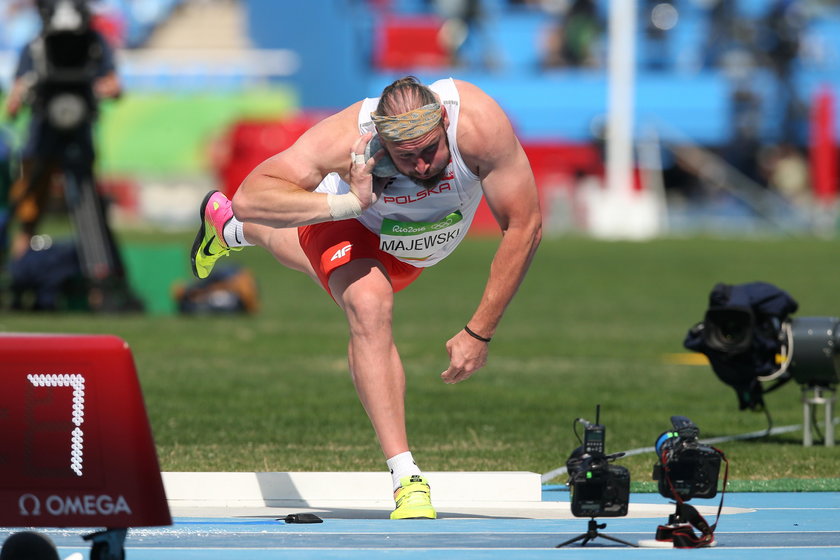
[361,171]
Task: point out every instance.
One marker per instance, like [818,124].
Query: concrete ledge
[277,489]
[365,495]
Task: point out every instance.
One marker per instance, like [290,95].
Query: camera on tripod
[685,468]
[598,488]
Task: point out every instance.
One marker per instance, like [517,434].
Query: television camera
[686,469]
[750,338]
[598,488]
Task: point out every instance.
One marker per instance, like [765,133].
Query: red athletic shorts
[329,245]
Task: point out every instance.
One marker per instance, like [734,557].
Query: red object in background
[553,163]
[823,147]
[123,192]
[409,43]
[76,449]
[550,157]
[111,27]
[250,142]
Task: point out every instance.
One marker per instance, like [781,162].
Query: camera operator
[67,44]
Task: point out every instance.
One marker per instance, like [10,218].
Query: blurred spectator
[575,36]
[741,47]
[658,18]
[779,43]
[787,172]
[723,32]
[743,149]
[784,24]
[464,29]
[682,183]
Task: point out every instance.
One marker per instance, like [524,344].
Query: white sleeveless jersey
[417,225]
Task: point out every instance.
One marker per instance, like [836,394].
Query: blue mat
[782,525]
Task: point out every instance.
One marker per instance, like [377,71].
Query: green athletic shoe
[414,500]
[209,244]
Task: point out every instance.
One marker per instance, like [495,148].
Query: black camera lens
[728,330]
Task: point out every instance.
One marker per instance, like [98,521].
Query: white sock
[402,465]
[235,234]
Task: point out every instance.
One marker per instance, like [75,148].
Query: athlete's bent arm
[511,193]
[278,192]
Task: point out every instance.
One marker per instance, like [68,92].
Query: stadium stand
[708,75]
[678,83]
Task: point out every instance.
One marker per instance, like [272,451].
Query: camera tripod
[592,533]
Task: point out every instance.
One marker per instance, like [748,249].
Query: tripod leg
[577,538]
[614,539]
[89,219]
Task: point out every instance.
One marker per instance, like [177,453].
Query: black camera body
[66,56]
[686,468]
[598,488]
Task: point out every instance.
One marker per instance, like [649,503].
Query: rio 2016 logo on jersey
[419,240]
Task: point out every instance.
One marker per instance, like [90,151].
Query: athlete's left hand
[466,356]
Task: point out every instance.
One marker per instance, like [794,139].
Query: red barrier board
[409,42]
[76,449]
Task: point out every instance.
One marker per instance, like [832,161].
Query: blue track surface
[783,525]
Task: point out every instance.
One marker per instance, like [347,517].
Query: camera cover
[740,336]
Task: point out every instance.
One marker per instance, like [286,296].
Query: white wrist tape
[344,206]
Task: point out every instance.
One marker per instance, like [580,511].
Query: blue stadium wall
[335,40]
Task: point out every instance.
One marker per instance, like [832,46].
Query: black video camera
[686,468]
[750,338]
[598,488]
[66,56]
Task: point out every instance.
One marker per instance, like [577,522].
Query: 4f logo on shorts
[336,256]
[341,253]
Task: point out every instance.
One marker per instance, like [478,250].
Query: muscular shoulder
[485,133]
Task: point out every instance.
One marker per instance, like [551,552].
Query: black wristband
[475,335]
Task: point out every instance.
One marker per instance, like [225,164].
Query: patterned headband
[410,125]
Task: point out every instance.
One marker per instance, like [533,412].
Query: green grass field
[593,324]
